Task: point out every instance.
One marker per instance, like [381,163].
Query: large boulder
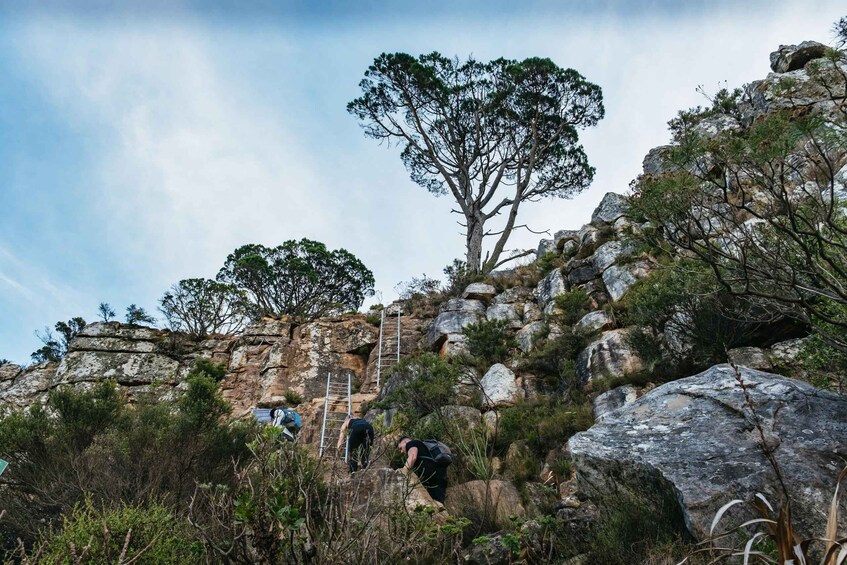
[610,253]
[550,287]
[504,313]
[455,315]
[694,440]
[499,387]
[479,291]
[611,207]
[792,57]
[609,356]
[594,322]
[619,278]
[528,335]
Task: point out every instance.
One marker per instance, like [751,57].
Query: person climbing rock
[429,460]
[288,420]
[360,436]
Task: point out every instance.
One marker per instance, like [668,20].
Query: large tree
[302,279]
[493,135]
[200,307]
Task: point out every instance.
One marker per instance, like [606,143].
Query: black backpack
[439,452]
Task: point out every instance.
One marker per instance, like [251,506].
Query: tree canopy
[493,135]
[201,307]
[302,279]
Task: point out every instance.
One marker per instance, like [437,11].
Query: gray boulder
[656,161]
[594,322]
[528,335]
[545,246]
[693,440]
[561,237]
[506,313]
[792,57]
[613,399]
[550,287]
[609,356]
[619,278]
[612,207]
[610,253]
[750,357]
[479,291]
[499,387]
[455,315]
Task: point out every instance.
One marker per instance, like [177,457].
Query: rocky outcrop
[609,356]
[454,316]
[499,387]
[495,499]
[695,440]
[793,57]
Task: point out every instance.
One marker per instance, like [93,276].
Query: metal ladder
[385,359]
[336,389]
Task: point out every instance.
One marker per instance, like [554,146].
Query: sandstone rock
[531,313]
[792,57]
[594,322]
[125,368]
[581,272]
[613,399]
[611,207]
[506,313]
[569,248]
[527,335]
[499,499]
[455,315]
[714,455]
[517,457]
[513,295]
[550,287]
[769,94]
[609,356]
[750,357]
[656,161]
[453,344]
[479,291]
[27,387]
[715,125]
[499,387]
[491,420]
[619,278]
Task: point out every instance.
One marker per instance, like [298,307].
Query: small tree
[493,135]
[137,315]
[56,347]
[200,307]
[106,311]
[302,279]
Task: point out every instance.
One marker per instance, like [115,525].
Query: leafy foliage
[92,443]
[137,315]
[141,534]
[489,341]
[200,307]
[302,279]
[574,304]
[420,384]
[544,424]
[56,347]
[476,130]
[106,312]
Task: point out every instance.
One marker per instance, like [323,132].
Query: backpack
[439,452]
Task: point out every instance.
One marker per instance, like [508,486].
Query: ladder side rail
[379,347]
[398,334]
[326,406]
[349,408]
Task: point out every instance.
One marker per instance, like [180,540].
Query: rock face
[502,498]
[609,356]
[612,207]
[694,440]
[455,315]
[499,387]
[550,287]
[792,57]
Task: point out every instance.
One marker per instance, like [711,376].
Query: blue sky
[140,143]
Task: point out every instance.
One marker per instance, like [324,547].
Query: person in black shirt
[360,436]
[419,459]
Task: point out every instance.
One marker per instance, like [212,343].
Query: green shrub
[419,384]
[489,341]
[292,398]
[543,423]
[555,361]
[825,366]
[148,534]
[574,304]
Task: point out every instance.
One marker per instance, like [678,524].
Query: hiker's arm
[412,457]
[341,434]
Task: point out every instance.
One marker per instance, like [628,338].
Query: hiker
[360,436]
[288,421]
[429,463]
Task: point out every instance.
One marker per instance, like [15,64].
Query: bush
[555,361]
[489,341]
[92,443]
[420,384]
[544,424]
[574,305]
[144,534]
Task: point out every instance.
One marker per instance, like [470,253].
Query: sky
[142,142]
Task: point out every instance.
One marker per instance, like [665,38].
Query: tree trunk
[474,243]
